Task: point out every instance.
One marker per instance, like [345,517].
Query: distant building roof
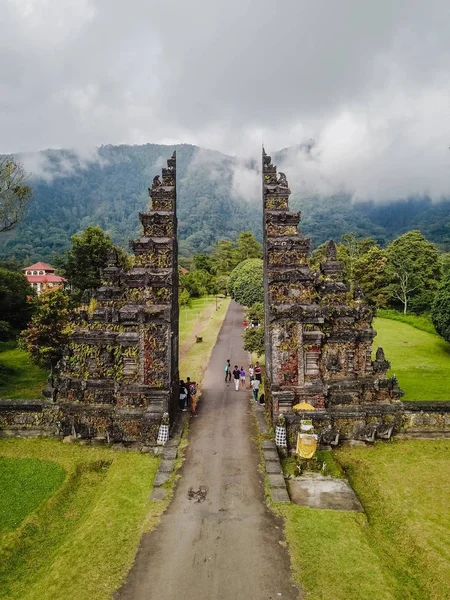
[49,278]
[39,266]
[184,271]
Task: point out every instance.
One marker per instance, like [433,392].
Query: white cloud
[367,80]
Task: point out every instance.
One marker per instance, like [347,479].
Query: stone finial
[156,181]
[380,364]
[112,259]
[358,293]
[331,251]
[282,180]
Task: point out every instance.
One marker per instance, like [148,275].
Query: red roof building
[41,276]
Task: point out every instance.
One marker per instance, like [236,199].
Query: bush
[254,340]
[6,332]
[440,313]
[245,283]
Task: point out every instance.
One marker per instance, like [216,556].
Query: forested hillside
[71,193]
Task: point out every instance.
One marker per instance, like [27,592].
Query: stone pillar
[120,372]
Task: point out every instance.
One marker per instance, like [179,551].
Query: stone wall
[28,418]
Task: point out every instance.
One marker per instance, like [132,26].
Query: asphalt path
[217,540]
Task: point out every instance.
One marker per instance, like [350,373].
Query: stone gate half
[120,372]
[318,336]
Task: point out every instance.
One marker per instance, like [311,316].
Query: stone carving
[318,339]
[120,372]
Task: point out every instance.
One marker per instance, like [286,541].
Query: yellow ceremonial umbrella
[303,406]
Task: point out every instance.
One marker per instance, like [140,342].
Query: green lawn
[80,542]
[196,360]
[25,483]
[420,360]
[191,316]
[19,377]
[399,550]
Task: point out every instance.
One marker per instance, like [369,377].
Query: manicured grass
[19,377]
[422,322]
[191,316]
[25,483]
[401,549]
[196,360]
[81,542]
[420,360]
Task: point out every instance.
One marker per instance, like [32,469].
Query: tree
[369,273]
[203,262]
[14,194]
[245,284]
[48,332]
[83,263]
[440,313]
[223,257]
[247,246]
[15,296]
[254,340]
[352,248]
[414,271]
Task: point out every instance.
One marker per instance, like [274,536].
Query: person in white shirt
[255,388]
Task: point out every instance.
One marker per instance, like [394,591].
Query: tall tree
[48,332]
[414,271]
[440,313]
[14,193]
[369,272]
[247,246]
[223,257]
[15,296]
[83,263]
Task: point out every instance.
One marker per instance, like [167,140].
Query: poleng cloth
[306,445]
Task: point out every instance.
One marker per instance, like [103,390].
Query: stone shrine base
[318,491]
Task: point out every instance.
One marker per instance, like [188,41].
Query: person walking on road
[251,372]
[183,395]
[242,377]
[228,371]
[192,394]
[258,372]
[255,388]
[237,376]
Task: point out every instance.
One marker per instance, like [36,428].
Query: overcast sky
[368,80]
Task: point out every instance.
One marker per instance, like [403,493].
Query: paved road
[227,546]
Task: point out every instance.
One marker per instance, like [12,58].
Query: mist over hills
[218,196]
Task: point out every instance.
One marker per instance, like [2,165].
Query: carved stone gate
[318,336]
[120,372]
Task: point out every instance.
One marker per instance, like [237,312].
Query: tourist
[251,372]
[237,376]
[228,371]
[183,396]
[192,394]
[242,377]
[255,388]
[258,372]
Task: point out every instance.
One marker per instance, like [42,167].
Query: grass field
[191,316]
[420,360]
[399,550]
[81,541]
[19,377]
[195,361]
[25,483]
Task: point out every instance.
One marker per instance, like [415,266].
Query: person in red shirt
[258,375]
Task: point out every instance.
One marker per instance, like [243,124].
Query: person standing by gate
[237,376]
[228,371]
[255,388]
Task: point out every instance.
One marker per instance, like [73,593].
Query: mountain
[218,196]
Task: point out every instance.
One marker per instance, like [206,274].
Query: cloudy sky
[368,81]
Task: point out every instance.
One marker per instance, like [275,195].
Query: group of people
[188,395]
[239,377]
